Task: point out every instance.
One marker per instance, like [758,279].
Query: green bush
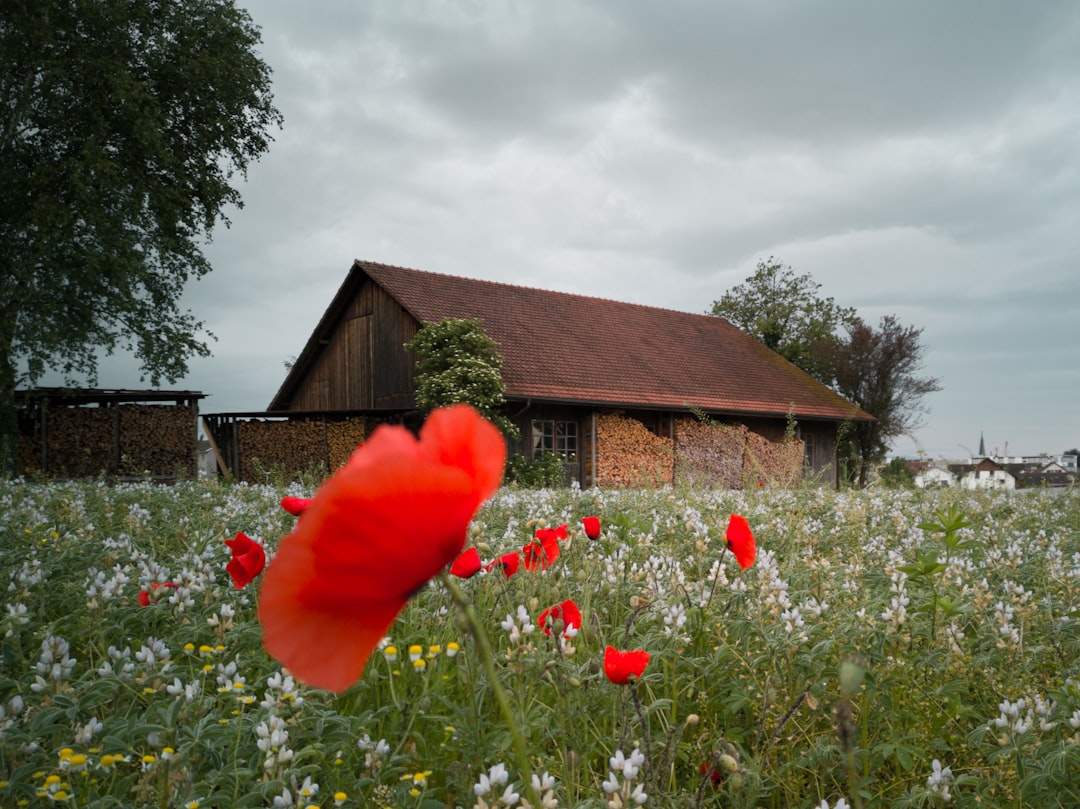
[543,472]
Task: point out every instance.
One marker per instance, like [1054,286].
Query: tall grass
[960,651]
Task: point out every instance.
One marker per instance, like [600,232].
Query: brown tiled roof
[575,348]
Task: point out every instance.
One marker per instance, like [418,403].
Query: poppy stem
[712,590]
[476,629]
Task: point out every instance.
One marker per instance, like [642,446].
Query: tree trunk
[9,421]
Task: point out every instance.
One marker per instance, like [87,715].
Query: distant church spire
[982,445]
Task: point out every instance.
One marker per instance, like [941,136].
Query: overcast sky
[916,158]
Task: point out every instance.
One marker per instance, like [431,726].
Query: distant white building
[934,477]
[986,474]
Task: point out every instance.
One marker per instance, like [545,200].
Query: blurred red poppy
[374,533]
[592,527]
[567,612]
[248,559]
[741,541]
[621,666]
[144,595]
[295,505]
[539,555]
[546,535]
[467,564]
[509,562]
[705,768]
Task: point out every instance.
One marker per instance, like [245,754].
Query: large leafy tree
[121,125]
[457,361]
[878,369]
[785,312]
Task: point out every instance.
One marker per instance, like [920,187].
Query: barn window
[560,437]
[809,461]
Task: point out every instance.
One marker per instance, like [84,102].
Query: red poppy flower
[382,526]
[509,562]
[546,535]
[621,666]
[144,595]
[295,505]
[741,541]
[592,527]
[467,565]
[705,768]
[567,612]
[540,555]
[248,559]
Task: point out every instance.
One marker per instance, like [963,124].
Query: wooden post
[213,445]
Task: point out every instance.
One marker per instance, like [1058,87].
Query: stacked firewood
[702,454]
[282,448]
[81,441]
[297,446]
[127,439]
[629,455]
[157,439]
[709,455]
[342,439]
[772,463]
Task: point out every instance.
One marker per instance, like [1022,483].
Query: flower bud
[728,763]
[852,673]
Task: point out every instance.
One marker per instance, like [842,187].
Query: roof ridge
[363,264]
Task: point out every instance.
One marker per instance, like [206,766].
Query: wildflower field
[860,660]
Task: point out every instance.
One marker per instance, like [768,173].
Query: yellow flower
[419,664]
[390,652]
[452,649]
[415,651]
[434,650]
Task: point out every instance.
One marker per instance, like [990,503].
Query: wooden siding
[364,363]
[820,440]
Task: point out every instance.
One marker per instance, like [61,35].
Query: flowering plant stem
[476,629]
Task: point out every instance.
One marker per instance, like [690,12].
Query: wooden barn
[578,370]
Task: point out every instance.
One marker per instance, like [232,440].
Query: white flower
[308,789]
[498,775]
[509,797]
[483,786]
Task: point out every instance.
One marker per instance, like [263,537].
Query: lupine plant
[133,671]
